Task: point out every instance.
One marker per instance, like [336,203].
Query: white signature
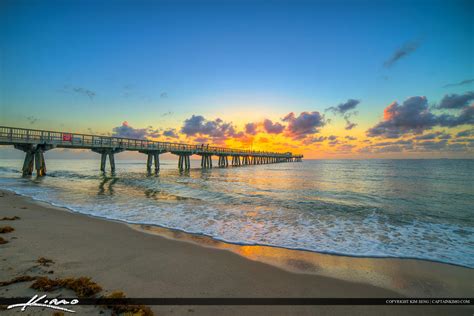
[37,301]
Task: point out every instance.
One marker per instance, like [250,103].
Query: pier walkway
[35,142]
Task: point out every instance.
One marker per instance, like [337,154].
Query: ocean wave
[374,236]
[340,214]
[9,170]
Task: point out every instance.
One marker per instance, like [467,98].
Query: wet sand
[164,263]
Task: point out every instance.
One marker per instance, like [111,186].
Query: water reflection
[106,185]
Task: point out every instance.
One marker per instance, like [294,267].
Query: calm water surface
[381,208]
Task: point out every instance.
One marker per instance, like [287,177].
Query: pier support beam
[237,161]
[34,158]
[152,155]
[206,161]
[104,152]
[184,162]
[223,161]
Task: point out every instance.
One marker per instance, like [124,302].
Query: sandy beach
[120,258]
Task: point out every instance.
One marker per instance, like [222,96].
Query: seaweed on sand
[44,261]
[6,229]
[82,286]
[6,218]
[138,310]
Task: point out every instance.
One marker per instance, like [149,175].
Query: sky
[327,79]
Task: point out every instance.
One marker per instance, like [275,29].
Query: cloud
[164,95]
[126,131]
[82,91]
[431,145]
[387,147]
[457,147]
[342,108]
[441,135]
[399,142]
[314,140]
[456,101]
[273,128]
[169,113]
[466,133]
[405,50]
[305,124]
[217,129]
[413,116]
[349,125]
[201,139]
[31,119]
[466,116]
[461,83]
[170,133]
[345,148]
[251,128]
[350,137]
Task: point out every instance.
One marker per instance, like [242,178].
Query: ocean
[366,208]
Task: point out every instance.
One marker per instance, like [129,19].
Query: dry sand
[145,265]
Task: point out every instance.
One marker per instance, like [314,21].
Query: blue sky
[235,60]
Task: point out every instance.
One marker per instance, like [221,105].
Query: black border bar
[253,301]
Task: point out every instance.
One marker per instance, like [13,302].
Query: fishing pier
[35,142]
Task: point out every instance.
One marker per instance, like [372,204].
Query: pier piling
[152,155]
[34,158]
[104,152]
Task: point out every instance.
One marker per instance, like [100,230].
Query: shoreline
[150,227]
[120,257]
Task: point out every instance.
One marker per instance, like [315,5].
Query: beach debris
[6,229]
[3,241]
[58,314]
[137,310]
[44,262]
[82,286]
[24,208]
[6,218]
[22,278]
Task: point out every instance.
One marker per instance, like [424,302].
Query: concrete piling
[104,152]
[223,161]
[152,156]
[206,161]
[34,158]
[103,161]
[157,161]
[112,162]
[28,164]
[184,162]
[39,163]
